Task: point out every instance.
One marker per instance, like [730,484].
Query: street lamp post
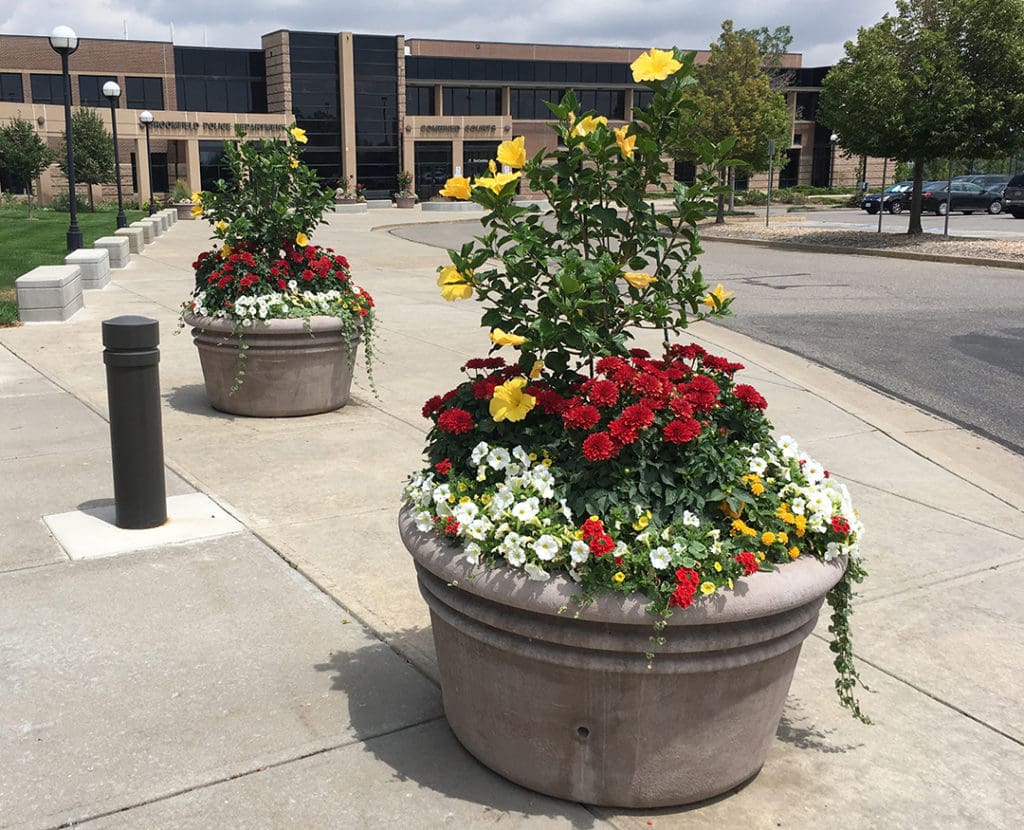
[112,92]
[832,160]
[146,117]
[64,42]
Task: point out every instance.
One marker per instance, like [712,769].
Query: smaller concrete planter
[563,700]
[405,202]
[292,367]
[184,210]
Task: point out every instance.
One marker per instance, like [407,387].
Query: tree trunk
[915,199]
[92,200]
[28,198]
[720,214]
[732,189]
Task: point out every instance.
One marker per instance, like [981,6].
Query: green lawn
[42,240]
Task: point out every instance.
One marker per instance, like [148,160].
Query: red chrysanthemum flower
[549,401]
[681,431]
[750,396]
[591,528]
[308,275]
[601,392]
[483,390]
[638,415]
[681,407]
[748,561]
[432,406]
[623,433]
[443,467]
[455,421]
[610,365]
[689,352]
[602,544]
[649,384]
[599,447]
[281,285]
[581,417]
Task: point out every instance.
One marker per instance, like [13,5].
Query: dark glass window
[144,93]
[375,59]
[212,164]
[419,100]
[610,103]
[806,106]
[315,101]
[11,88]
[433,167]
[220,80]
[90,91]
[476,155]
[642,98]
[529,104]
[425,68]
[47,89]
[470,100]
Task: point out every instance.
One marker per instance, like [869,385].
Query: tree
[735,98]
[94,151]
[23,154]
[773,44]
[940,80]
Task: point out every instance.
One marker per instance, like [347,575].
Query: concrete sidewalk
[283,676]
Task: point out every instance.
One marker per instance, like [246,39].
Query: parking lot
[1002,226]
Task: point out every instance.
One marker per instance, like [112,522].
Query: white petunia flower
[787,446]
[690,519]
[498,458]
[479,452]
[579,552]
[536,572]
[547,547]
[424,521]
[465,511]
[527,509]
[522,457]
[515,557]
[814,472]
[565,510]
[832,551]
[478,528]
[798,506]
[502,501]
[472,553]
[660,558]
[758,465]
[442,493]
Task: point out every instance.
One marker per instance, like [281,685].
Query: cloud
[819,28]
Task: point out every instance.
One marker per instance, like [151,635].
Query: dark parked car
[1013,197]
[894,198]
[994,183]
[968,198]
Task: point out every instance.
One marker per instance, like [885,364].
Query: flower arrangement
[584,455]
[404,180]
[264,265]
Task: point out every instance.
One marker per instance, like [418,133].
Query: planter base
[568,705]
[290,369]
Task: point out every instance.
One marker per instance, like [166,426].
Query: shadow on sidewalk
[192,399]
[428,754]
[796,731]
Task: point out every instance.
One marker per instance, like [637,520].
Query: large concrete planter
[292,367]
[405,202]
[565,702]
[184,210]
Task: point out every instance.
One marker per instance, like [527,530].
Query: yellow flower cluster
[740,526]
[753,482]
[798,522]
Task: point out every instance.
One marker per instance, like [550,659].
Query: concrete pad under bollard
[93,534]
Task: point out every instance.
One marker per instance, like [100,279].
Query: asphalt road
[947,338]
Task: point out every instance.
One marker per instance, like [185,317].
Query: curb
[836,249]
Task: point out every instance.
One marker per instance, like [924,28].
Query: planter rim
[318,322]
[760,595]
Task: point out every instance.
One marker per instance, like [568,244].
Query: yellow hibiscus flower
[457,187]
[455,286]
[627,143]
[640,280]
[301,239]
[503,338]
[585,126]
[654,65]
[510,401]
[536,369]
[196,197]
[221,225]
[298,134]
[294,163]
[716,297]
[225,251]
[497,181]
[512,153]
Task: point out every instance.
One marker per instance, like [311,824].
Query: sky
[819,27]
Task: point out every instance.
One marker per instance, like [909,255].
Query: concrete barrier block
[165,220]
[379,204]
[136,236]
[148,232]
[94,266]
[49,293]
[171,214]
[117,250]
[156,222]
[359,207]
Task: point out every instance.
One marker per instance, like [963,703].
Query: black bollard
[136,437]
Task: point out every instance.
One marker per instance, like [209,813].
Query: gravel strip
[1004,249]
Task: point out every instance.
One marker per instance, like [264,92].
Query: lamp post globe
[112,92]
[64,42]
[146,117]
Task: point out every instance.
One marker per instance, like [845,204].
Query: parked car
[994,183]
[1013,197]
[968,198]
[894,198]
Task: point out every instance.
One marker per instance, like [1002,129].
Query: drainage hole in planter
[582,733]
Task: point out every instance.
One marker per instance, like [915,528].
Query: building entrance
[433,161]
[475,157]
